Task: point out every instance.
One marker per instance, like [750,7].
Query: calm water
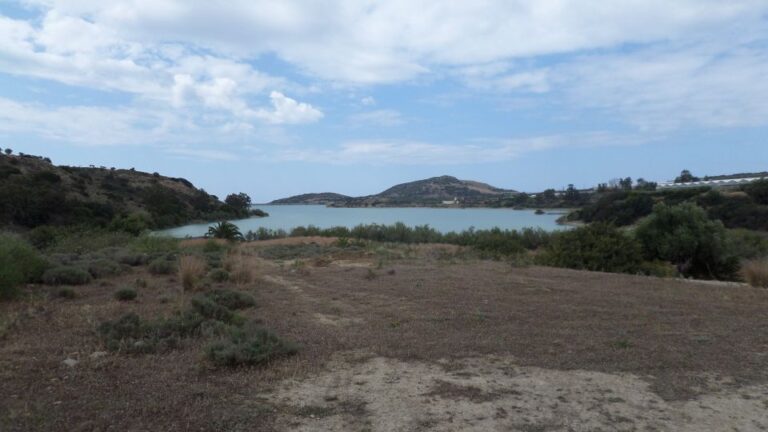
[442,219]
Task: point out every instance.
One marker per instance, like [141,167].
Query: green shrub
[134,223]
[19,263]
[103,267]
[247,347]
[44,236]
[596,247]
[209,309]
[746,244]
[233,300]
[151,244]
[132,259]
[164,265]
[218,275]
[125,294]
[619,208]
[66,275]
[686,237]
[758,191]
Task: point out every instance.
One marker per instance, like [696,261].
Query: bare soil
[397,338]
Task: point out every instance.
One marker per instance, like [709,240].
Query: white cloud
[400,152]
[288,111]
[215,155]
[368,101]
[664,88]
[383,117]
[378,42]
[83,124]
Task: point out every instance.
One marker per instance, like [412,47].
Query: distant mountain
[325,198]
[435,191]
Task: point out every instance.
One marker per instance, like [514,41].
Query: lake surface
[442,219]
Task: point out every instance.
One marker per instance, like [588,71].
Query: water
[442,219]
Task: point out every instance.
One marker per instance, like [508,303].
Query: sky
[276,98]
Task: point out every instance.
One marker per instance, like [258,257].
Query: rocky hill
[324,198]
[34,192]
[421,193]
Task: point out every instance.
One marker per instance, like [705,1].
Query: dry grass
[756,272]
[191,270]
[241,268]
[196,242]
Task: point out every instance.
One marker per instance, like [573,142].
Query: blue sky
[276,98]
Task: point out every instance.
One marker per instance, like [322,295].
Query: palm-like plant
[225,230]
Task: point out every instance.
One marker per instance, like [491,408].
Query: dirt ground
[397,338]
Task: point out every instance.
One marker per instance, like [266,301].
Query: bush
[619,208]
[247,347]
[132,259]
[153,244]
[66,275]
[44,236]
[191,269]
[684,236]
[219,275]
[163,265]
[19,263]
[131,335]
[755,272]
[103,267]
[125,294]
[231,299]
[596,247]
[209,309]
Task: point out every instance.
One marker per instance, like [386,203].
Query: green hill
[34,192]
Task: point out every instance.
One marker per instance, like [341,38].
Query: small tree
[686,177]
[225,230]
[8,151]
[686,237]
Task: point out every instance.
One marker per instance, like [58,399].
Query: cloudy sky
[282,97]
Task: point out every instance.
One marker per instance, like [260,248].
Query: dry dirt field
[404,339]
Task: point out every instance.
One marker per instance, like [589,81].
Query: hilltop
[34,192]
[325,198]
[421,193]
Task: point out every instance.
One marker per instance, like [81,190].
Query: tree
[572,195]
[225,230]
[8,151]
[642,184]
[596,247]
[626,183]
[240,202]
[686,177]
[686,237]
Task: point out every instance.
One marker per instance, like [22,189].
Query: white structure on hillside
[711,183]
[454,202]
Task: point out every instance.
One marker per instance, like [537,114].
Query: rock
[98,354]
[70,362]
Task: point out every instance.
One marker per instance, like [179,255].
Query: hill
[326,198]
[421,193]
[34,192]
